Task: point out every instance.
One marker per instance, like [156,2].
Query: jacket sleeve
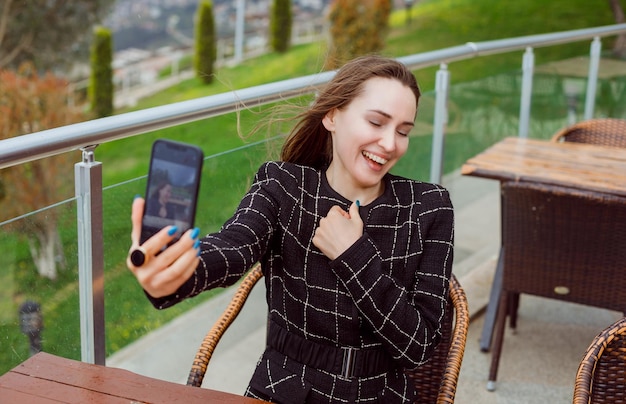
[406,318]
[225,256]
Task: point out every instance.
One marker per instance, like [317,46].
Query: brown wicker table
[573,165]
[46,378]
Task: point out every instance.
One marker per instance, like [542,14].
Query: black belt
[344,361]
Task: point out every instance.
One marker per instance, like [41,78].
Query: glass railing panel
[610,99]
[480,113]
[611,95]
[39,311]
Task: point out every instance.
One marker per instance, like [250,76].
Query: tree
[51,34]
[281,25]
[619,47]
[206,52]
[101,79]
[30,103]
[357,27]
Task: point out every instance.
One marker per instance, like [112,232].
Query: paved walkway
[538,364]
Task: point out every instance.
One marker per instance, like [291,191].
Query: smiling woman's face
[165,193]
[370,134]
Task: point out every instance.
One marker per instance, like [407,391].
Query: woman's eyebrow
[386,115]
[378,111]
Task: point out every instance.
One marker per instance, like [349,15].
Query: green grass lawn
[435,24]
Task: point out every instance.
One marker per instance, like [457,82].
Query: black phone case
[172,187]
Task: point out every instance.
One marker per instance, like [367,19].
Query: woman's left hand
[161,275]
[338,231]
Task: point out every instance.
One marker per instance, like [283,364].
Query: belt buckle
[349,359]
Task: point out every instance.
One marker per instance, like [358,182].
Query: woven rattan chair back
[562,244]
[436,380]
[601,131]
[601,376]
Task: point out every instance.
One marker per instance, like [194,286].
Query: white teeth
[374,157]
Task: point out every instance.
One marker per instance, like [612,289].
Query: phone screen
[172,188]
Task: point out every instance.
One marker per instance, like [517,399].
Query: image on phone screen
[172,189]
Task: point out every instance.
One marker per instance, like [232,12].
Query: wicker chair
[602,131]
[601,376]
[562,244]
[436,380]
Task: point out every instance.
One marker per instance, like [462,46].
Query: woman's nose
[388,140]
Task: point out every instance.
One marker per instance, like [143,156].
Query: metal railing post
[528,67]
[88,182]
[592,78]
[239,30]
[441,118]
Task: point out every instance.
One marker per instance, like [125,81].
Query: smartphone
[172,188]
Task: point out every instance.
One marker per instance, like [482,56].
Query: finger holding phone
[164,270]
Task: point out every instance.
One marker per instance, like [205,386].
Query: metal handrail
[87,135]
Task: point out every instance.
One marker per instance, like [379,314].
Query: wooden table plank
[51,377]
[581,166]
[44,391]
[9,396]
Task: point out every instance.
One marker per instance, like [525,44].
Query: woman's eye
[375,123]
[404,131]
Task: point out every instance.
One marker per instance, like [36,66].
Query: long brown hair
[309,143]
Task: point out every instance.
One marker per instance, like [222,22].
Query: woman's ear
[329,121]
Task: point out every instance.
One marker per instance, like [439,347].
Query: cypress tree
[206,51]
[281,25]
[101,79]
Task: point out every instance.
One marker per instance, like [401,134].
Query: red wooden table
[46,378]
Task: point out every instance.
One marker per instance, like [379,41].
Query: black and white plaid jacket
[386,290]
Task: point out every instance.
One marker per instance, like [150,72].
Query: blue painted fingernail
[196,244]
[171,231]
[358,203]
[195,232]
[137,196]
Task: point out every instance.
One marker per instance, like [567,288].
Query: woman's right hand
[161,275]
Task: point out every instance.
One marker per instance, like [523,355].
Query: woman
[356,261]
[159,203]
